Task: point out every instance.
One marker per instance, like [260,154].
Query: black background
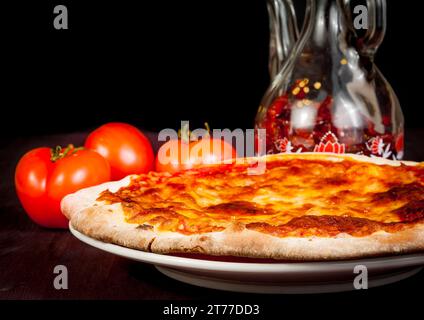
[156,63]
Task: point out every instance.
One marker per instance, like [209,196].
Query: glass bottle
[329,96]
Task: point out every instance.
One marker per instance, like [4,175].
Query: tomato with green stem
[181,154]
[44,176]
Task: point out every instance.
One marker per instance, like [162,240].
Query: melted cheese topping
[294,197]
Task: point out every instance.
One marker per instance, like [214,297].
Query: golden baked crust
[306,206]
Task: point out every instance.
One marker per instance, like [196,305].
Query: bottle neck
[328,22]
[283,33]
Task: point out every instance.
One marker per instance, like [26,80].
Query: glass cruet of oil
[328,95]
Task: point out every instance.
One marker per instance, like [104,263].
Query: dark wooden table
[28,254]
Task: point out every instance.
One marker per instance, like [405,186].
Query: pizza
[302,207]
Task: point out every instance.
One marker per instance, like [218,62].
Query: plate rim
[395,261]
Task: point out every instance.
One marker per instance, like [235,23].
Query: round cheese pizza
[302,207]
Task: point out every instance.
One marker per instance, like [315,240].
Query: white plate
[275,277]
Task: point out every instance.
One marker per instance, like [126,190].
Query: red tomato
[211,151]
[173,156]
[44,177]
[126,149]
[176,155]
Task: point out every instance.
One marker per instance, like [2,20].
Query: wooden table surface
[28,253]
